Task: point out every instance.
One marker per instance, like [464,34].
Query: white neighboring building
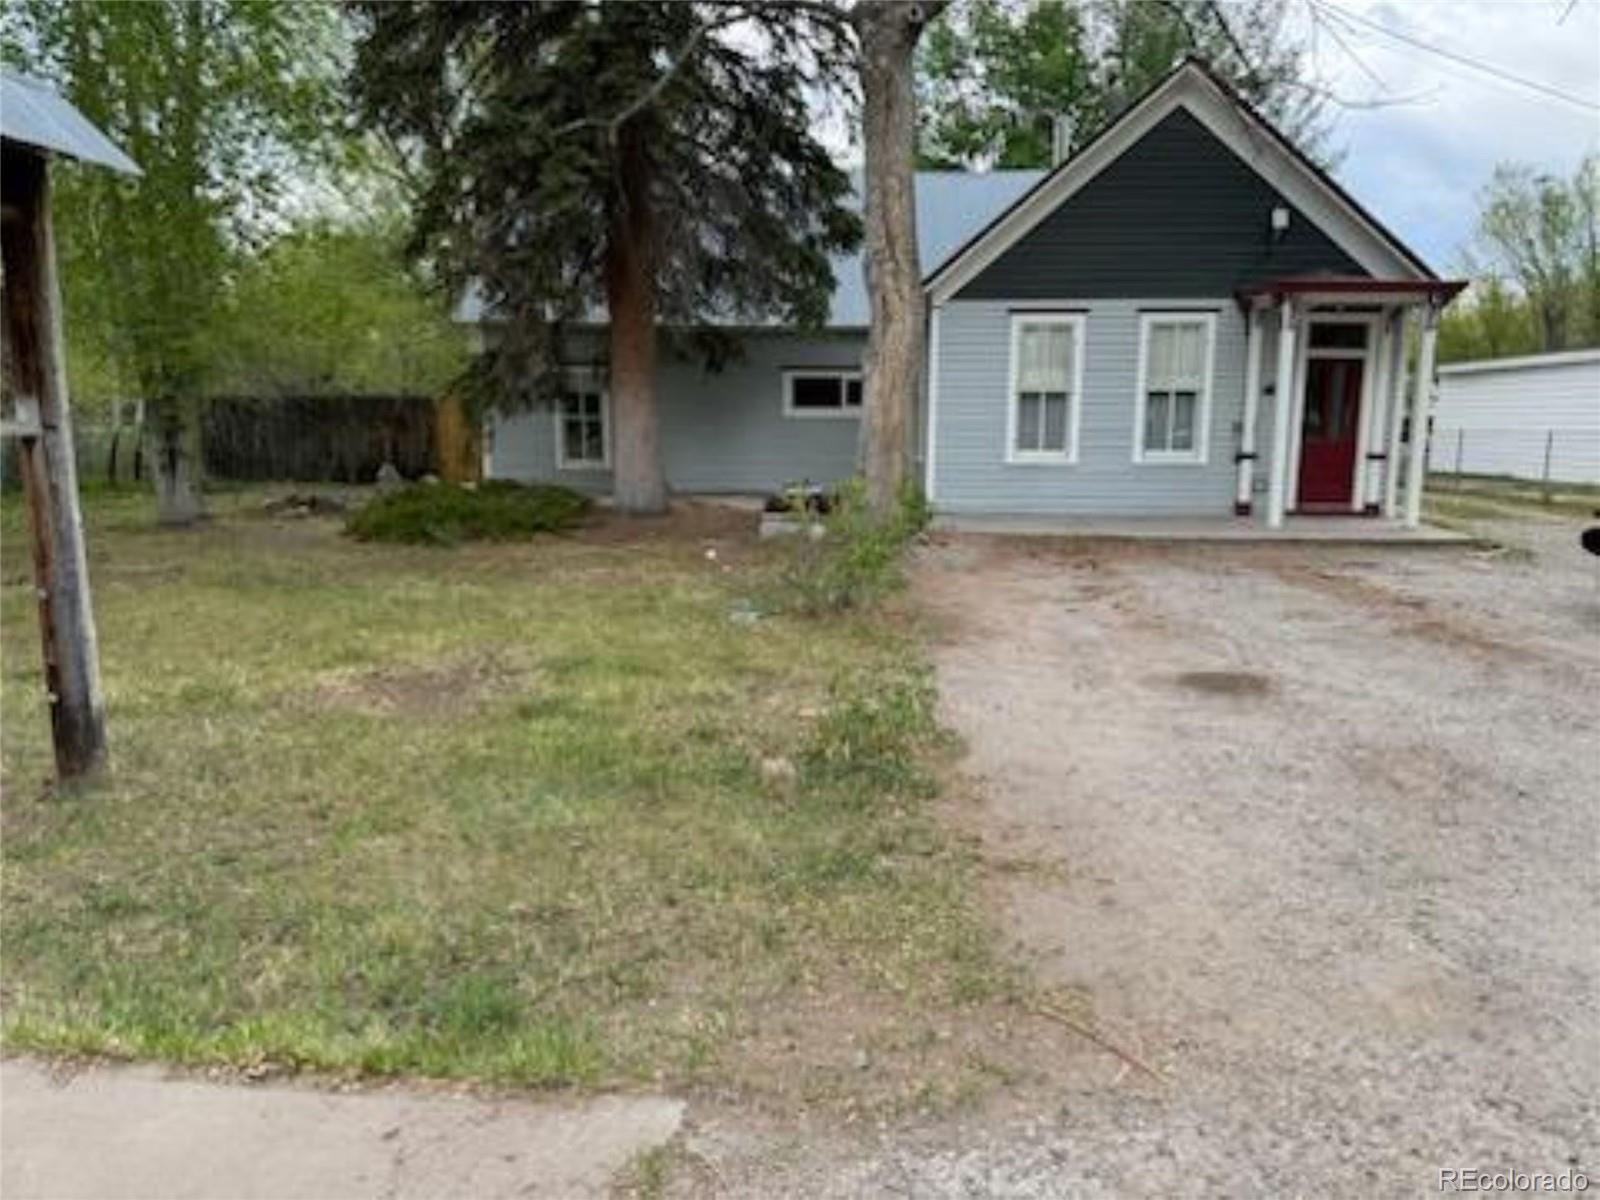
[1504,416]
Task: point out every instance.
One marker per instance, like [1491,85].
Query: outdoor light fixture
[1280,221]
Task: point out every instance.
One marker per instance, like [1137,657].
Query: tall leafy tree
[1541,234]
[995,75]
[222,103]
[653,162]
[332,308]
[1491,321]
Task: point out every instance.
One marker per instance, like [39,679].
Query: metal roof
[35,114]
[1555,358]
[951,207]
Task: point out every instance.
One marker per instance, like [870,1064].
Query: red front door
[1328,441]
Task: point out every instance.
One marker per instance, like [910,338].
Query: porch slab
[1353,530]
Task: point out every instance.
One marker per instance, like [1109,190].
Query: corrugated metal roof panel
[33,113]
[951,207]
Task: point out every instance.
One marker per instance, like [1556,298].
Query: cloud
[1419,166]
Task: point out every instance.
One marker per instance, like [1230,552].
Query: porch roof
[1350,289]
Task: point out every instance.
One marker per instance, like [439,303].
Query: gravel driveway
[1324,827]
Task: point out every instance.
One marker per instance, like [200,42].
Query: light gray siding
[721,431]
[971,474]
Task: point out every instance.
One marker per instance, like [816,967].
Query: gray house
[1185,317]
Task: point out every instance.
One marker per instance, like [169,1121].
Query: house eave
[1326,290]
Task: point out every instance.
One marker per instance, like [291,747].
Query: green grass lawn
[1477,497]
[518,813]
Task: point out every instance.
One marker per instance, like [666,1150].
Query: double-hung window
[1046,382]
[822,392]
[583,436]
[1174,402]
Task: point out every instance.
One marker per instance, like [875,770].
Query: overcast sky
[1419,166]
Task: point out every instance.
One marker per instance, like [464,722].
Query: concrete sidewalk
[1352,530]
[134,1133]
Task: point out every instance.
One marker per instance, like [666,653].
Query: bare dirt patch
[435,690]
[696,522]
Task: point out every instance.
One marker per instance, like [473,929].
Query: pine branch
[651,94]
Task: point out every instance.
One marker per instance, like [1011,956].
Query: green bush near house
[446,514]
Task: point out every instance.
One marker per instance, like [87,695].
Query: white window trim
[1202,442]
[1045,458]
[843,413]
[563,463]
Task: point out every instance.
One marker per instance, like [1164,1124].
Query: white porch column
[1374,418]
[1397,416]
[1252,401]
[1282,414]
[1297,412]
[1417,457]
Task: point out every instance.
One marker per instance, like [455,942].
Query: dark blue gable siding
[1179,214]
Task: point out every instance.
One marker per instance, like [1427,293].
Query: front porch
[1348,424]
[1324,530]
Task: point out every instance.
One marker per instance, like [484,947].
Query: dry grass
[495,813]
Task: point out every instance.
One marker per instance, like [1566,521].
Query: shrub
[855,561]
[444,513]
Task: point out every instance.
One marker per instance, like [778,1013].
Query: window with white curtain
[582,414]
[1174,404]
[1046,379]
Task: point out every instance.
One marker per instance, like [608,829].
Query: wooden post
[1461,443]
[48,469]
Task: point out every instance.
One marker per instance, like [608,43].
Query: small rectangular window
[822,393]
[1046,369]
[1330,335]
[1175,388]
[582,440]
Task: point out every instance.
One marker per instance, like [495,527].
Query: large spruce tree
[653,162]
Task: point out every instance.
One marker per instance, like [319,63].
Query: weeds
[874,736]
[856,559]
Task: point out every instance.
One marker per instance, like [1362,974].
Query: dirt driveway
[1320,827]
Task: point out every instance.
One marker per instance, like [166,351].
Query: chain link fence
[1549,456]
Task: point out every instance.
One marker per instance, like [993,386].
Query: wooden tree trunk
[177,464]
[49,471]
[888,33]
[638,483]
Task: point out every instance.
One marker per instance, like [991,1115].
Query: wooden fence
[302,439]
[337,439]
